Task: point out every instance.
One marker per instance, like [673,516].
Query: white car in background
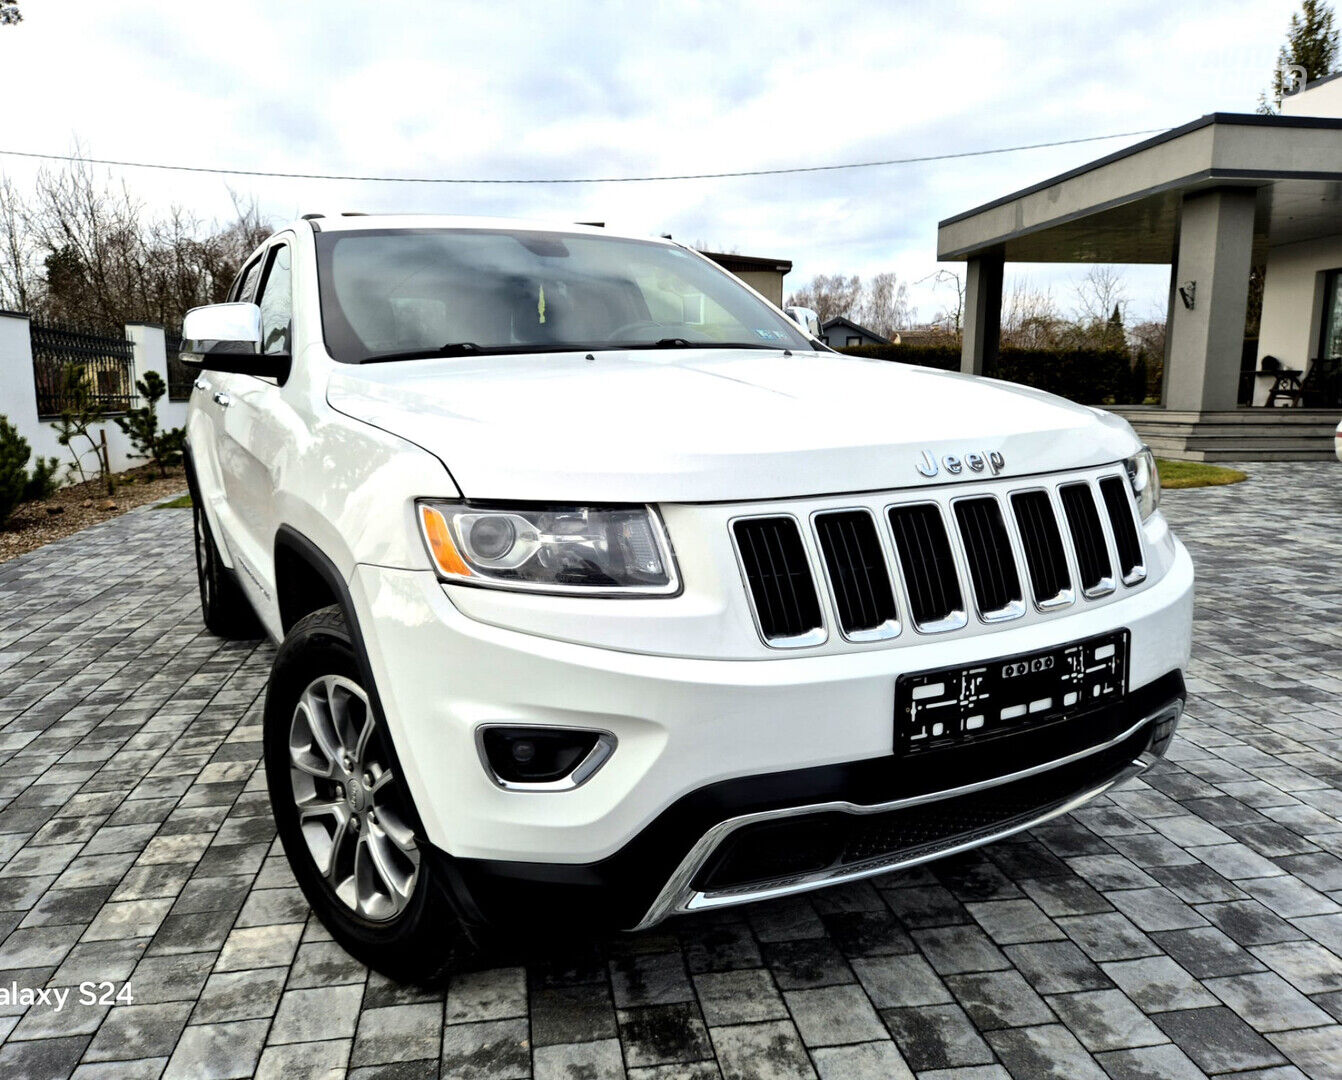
[1337,441]
[603,592]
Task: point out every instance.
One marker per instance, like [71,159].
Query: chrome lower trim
[677,896]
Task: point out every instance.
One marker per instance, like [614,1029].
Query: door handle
[220,398]
[201,384]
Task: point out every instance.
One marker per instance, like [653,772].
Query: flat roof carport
[1208,198]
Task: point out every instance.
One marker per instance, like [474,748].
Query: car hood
[713,425]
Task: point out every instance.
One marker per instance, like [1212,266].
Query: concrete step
[1242,435]
[1246,431]
[1151,414]
[1214,456]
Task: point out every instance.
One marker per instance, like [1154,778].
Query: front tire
[344,815]
[223,605]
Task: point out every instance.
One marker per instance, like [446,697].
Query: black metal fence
[102,362]
[180,376]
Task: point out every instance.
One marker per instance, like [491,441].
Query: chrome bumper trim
[677,896]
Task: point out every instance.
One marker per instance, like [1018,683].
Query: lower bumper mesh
[768,854]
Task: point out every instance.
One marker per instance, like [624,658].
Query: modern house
[839,333]
[765,276]
[1212,200]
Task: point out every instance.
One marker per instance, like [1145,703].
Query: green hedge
[946,357]
[1090,376]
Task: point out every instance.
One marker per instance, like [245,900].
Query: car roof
[349,222]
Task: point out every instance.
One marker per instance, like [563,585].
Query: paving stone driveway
[1185,926]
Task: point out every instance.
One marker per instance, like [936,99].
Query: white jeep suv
[604,593]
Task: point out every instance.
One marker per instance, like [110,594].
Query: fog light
[544,759]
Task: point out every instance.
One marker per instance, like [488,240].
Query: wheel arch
[290,544]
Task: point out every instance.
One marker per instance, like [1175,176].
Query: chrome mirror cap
[228,329]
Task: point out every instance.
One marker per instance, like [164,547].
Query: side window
[277,302]
[245,288]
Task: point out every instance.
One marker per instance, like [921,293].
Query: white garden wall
[18,395]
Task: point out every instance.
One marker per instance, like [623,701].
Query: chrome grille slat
[992,564]
[1117,495]
[1045,556]
[778,574]
[864,598]
[1088,542]
[929,567]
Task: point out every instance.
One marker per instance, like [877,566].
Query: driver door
[253,432]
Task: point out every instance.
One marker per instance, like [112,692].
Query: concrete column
[18,394]
[1205,342]
[151,354]
[982,325]
[150,351]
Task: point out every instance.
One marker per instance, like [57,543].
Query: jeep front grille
[778,572]
[1051,539]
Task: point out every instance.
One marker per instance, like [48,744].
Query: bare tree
[17,264]
[885,305]
[1100,293]
[950,317]
[829,295]
[1148,336]
[85,250]
[1030,318]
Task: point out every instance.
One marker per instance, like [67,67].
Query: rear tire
[223,605]
[344,815]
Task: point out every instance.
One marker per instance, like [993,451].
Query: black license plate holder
[945,707]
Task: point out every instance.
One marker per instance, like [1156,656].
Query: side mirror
[227,337]
[807,319]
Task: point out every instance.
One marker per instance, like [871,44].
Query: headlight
[1145,481]
[589,551]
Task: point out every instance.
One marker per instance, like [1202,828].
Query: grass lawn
[182,502]
[1191,474]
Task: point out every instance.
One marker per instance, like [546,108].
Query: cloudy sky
[578,89]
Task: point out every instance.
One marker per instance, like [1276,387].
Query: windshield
[401,294]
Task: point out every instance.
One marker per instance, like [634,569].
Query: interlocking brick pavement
[1187,925]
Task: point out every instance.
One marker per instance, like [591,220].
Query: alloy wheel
[347,800]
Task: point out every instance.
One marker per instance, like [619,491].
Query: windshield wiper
[470,348]
[685,343]
[453,348]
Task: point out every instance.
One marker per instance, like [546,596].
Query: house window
[1330,342]
[853,339]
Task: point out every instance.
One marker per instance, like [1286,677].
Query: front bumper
[700,742]
[677,863]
